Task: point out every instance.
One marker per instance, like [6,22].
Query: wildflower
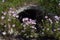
[13,12]
[25,19]
[47,28]
[54,30]
[27,36]
[10,31]
[2,17]
[46,17]
[42,32]
[57,21]
[17,16]
[14,15]
[50,20]
[33,22]
[56,17]
[24,25]
[4,33]
[9,11]
[4,13]
[13,25]
[11,8]
[31,35]
[32,27]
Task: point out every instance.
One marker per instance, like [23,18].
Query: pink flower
[25,19]
[33,21]
[56,17]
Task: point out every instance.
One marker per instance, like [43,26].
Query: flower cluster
[7,21]
[28,21]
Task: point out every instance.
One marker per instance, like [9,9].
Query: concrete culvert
[31,12]
[34,13]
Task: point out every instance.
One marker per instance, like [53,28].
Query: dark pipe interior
[31,13]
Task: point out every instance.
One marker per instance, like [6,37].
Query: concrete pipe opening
[31,13]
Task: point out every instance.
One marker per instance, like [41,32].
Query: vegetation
[11,25]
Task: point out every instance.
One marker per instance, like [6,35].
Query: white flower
[56,17]
[24,25]
[54,29]
[13,12]
[13,25]
[50,20]
[32,27]
[4,33]
[25,19]
[10,31]
[31,35]
[28,21]
[33,21]
[46,17]
[4,13]
[17,16]
[57,21]
[2,17]
[10,11]
[11,8]
[42,32]
[14,15]
[47,28]
[27,36]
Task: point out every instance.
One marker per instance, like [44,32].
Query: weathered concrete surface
[23,8]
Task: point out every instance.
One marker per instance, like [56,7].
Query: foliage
[50,6]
